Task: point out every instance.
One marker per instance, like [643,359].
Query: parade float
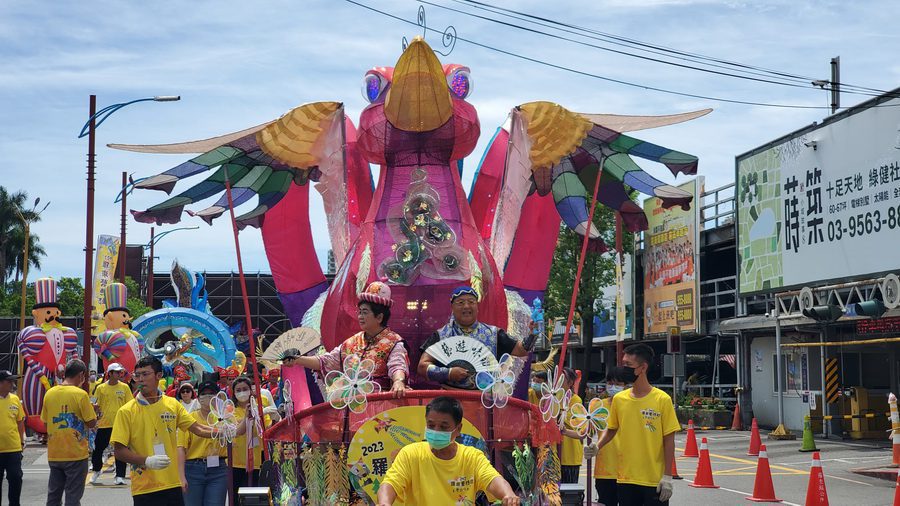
[418,231]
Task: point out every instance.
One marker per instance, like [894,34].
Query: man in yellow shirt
[440,470]
[12,437]
[644,420]
[68,415]
[110,396]
[145,436]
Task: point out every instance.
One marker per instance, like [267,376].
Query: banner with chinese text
[670,270]
[104,273]
[823,205]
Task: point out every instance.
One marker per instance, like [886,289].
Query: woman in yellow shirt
[572,446]
[201,461]
[605,470]
[241,392]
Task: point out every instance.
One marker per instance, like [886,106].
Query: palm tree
[16,252]
[12,205]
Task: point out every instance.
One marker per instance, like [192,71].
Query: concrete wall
[763,395]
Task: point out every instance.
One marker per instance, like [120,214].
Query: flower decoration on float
[221,418]
[349,388]
[590,421]
[497,384]
[555,399]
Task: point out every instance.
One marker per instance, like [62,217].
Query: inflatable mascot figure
[118,343]
[45,347]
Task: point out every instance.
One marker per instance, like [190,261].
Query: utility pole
[835,84]
[122,247]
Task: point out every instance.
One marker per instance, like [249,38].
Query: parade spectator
[464,322]
[201,461]
[108,397]
[187,397]
[440,470]
[644,420]
[534,390]
[605,465]
[12,437]
[68,415]
[144,435]
[572,446]
[375,342]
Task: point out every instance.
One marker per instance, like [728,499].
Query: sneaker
[120,480]
[95,477]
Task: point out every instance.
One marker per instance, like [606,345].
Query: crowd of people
[174,457]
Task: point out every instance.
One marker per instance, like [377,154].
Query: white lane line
[848,479]
[748,495]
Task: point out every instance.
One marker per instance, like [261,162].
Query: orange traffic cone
[754,439]
[736,423]
[763,489]
[690,443]
[897,491]
[675,469]
[816,495]
[703,478]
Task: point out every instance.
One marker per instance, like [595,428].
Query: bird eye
[460,83]
[373,87]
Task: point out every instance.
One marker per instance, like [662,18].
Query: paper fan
[300,338]
[455,351]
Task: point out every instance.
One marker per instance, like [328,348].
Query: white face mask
[614,389]
[205,400]
[242,396]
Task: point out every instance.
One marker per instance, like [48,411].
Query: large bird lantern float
[417,229]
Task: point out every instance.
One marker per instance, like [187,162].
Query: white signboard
[823,205]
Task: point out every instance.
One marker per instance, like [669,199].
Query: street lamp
[33,215]
[153,240]
[95,119]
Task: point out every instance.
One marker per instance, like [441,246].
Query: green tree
[12,211]
[598,273]
[16,254]
[70,296]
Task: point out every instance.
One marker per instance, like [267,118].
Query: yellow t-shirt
[239,445]
[140,426]
[66,410]
[572,449]
[534,397]
[196,447]
[605,467]
[110,399]
[642,424]
[11,413]
[419,477]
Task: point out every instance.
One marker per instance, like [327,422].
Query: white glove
[268,410]
[664,489]
[590,451]
[157,462]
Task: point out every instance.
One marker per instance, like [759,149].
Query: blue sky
[237,64]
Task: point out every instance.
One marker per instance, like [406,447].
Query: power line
[642,46]
[596,76]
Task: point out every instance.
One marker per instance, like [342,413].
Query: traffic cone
[897,491]
[703,478]
[736,423]
[895,448]
[763,489]
[754,439]
[675,469]
[809,444]
[690,443]
[816,495]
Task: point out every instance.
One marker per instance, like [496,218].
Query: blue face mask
[613,389]
[536,387]
[438,439]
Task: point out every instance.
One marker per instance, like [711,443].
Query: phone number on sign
[864,224]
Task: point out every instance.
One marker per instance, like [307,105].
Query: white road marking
[848,479]
[748,495]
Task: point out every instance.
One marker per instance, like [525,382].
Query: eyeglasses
[143,374]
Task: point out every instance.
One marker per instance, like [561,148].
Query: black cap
[209,385]
[6,375]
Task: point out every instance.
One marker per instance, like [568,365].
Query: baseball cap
[208,385]
[6,375]
[115,367]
